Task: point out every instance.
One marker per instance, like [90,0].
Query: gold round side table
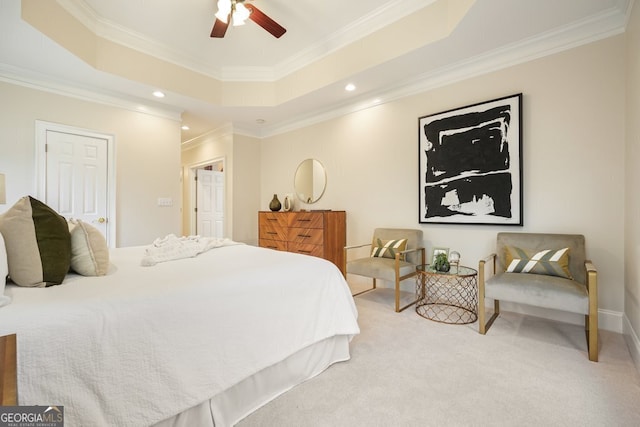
[447,297]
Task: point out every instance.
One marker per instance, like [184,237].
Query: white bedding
[144,343]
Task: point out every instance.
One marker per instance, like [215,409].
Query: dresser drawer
[312,236]
[275,219]
[279,245]
[307,249]
[306,220]
[273,231]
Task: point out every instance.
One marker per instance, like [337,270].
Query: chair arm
[481,267]
[592,278]
[408,251]
[357,246]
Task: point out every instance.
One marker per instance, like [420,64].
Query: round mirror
[310,181]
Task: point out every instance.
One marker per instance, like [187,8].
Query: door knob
[102,220]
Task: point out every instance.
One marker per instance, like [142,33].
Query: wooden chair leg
[397,294]
[591,323]
[481,312]
[483,325]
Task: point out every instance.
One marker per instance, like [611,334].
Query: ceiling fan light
[240,15]
[224,9]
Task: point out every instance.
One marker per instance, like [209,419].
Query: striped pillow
[388,248]
[551,262]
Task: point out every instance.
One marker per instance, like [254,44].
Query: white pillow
[4,271]
[89,250]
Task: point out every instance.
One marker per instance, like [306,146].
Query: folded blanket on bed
[172,247]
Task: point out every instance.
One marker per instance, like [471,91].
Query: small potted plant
[441,262]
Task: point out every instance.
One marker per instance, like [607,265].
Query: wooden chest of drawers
[320,233]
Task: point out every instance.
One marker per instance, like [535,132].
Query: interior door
[76,183]
[209,203]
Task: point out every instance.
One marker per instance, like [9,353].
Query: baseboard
[633,342]
[608,320]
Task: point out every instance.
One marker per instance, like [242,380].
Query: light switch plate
[165,201]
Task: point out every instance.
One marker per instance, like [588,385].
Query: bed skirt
[235,403]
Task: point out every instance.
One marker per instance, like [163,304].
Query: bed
[197,341]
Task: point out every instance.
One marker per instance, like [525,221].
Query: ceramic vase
[275,204]
[287,203]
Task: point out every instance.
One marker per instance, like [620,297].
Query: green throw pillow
[388,248]
[38,243]
[552,262]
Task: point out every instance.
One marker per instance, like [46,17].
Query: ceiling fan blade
[219,28]
[265,22]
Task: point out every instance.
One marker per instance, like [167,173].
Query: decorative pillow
[388,248]
[4,271]
[552,262]
[38,243]
[89,250]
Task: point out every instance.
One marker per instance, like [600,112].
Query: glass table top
[455,270]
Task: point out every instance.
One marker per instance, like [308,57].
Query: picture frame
[470,164]
[437,251]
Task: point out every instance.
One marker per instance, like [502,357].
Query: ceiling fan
[237,12]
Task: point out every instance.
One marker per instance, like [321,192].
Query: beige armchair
[576,292]
[394,266]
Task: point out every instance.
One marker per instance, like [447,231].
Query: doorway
[208,199]
[75,175]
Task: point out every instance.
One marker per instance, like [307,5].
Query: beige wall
[632,210]
[573,148]
[147,156]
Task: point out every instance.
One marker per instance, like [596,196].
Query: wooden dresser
[318,233]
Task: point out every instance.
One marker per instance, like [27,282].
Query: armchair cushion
[388,248]
[539,290]
[551,262]
[380,268]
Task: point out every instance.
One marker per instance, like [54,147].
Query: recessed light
[158,94]
[185,127]
[350,87]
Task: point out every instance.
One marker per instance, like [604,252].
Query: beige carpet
[409,371]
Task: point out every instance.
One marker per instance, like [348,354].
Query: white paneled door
[76,178]
[209,203]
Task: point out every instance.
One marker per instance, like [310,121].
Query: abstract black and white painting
[471,164]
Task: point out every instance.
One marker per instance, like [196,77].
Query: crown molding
[225,130]
[367,24]
[606,24]
[33,80]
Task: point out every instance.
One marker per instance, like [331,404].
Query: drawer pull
[271,219]
[271,232]
[304,235]
[306,220]
[304,252]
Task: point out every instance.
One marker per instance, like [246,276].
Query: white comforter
[144,343]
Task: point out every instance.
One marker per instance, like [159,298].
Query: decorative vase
[275,204]
[287,203]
